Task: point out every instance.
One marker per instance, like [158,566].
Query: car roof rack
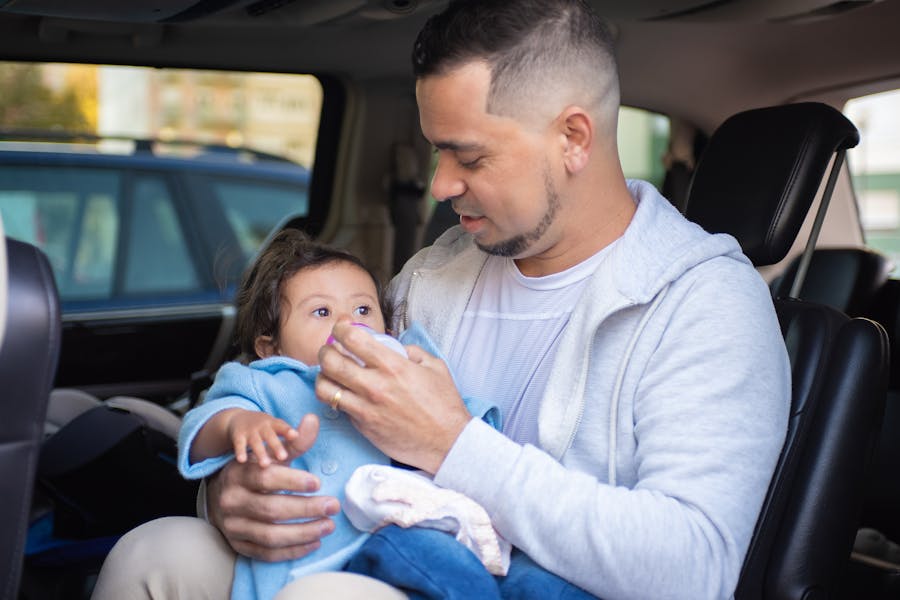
[140,145]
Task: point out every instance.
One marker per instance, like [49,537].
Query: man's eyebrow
[458,146]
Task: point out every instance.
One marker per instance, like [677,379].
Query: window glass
[95,250]
[158,256]
[274,113]
[72,215]
[643,137]
[254,209]
[98,165]
[875,167]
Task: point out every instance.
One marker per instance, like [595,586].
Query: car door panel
[150,353]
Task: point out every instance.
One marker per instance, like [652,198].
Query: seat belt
[406,189]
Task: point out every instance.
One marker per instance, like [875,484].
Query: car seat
[848,279]
[105,467]
[28,358]
[856,282]
[881,510]
[756,180]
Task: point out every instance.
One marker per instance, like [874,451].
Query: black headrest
[760,173]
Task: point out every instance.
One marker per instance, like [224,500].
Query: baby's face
[316,298]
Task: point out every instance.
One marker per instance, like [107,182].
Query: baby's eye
[321,312]
[363,310]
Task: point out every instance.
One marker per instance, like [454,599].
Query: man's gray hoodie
[662,418]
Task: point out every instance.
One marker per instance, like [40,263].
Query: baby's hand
[263,434]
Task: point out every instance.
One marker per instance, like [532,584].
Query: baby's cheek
[377,324]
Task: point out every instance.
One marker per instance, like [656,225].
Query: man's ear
[578,128]
[265,346]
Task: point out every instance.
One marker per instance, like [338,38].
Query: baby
[288,304]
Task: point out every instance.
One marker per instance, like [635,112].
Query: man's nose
[447,182]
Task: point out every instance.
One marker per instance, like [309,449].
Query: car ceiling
[699,59]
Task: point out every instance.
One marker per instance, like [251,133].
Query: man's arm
[699,431]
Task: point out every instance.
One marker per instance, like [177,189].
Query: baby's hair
[260,297]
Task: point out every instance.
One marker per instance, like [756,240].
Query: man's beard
[516,246]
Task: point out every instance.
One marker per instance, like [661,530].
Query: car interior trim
[175,312]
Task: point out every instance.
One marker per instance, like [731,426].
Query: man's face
[493,169]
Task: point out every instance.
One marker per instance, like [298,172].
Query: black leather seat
[848,279]
[757,180]
[28,358]
[856,281]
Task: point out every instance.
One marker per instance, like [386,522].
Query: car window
[72,214]
[875,168]
[158,259]
[141,182]
[254,209]
[95,236]
[643,138]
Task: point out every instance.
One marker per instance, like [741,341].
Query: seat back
[880,510]
[848,279]
[856,281]
[805,531]
[28,358]
[757,180]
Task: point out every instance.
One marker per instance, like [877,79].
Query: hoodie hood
[657,249]
[660,245]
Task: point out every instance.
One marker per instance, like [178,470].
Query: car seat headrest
[760,172]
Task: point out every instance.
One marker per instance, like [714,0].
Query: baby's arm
[237,429]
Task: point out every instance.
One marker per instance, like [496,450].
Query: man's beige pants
[187,558]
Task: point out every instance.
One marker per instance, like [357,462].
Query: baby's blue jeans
[428,564]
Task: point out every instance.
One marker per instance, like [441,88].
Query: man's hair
[261,295]
[537,51]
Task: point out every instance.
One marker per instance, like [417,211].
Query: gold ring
[336,400]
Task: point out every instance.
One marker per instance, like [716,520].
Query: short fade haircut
[261,295]
[536,50]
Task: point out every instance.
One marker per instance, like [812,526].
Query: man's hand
[409,409]
[243,502]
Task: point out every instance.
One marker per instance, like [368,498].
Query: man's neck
[592,230]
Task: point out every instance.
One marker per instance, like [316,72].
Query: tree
[27,103]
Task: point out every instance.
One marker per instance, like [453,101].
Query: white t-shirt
[508,337]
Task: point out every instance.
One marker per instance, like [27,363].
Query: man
[638,440]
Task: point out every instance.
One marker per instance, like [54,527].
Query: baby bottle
[387,340]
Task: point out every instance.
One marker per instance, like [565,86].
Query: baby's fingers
[240,448]
[276,447]
[258,446]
